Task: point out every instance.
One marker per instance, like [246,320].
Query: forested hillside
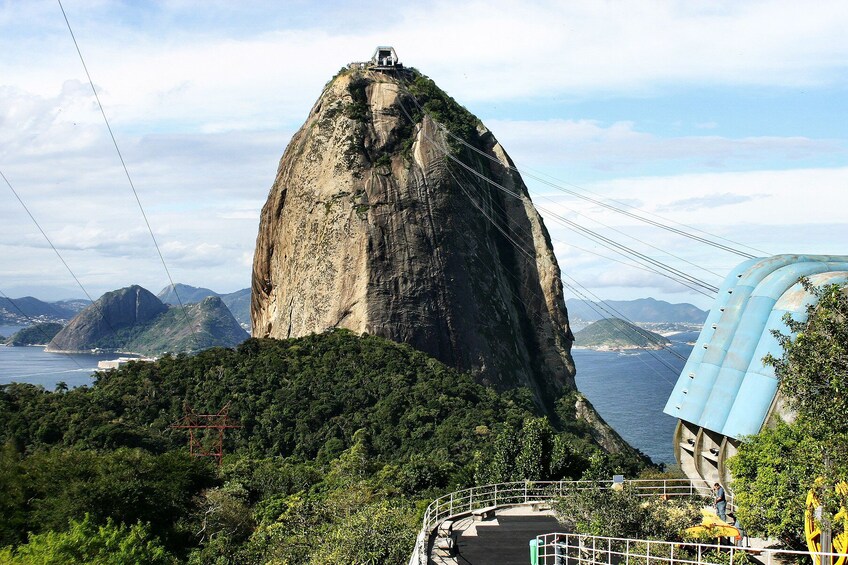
[614,333]
[339,433]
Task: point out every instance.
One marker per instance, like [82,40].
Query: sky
[728,117]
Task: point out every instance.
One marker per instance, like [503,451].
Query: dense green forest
[344,440]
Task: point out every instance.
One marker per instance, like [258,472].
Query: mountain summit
[397,213]
[133,319]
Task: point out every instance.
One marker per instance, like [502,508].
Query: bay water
[629,389]
[33,365]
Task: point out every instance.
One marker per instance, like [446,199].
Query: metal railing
[579,549]
[464,502]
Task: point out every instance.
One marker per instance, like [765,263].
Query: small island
[614,334]
[38,334]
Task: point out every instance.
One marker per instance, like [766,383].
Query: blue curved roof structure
[724,386]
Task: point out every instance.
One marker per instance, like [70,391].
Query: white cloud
[620,145]
[771,211]
[203,98]
[774,197]
[219,78]
[589,46]
[708,201]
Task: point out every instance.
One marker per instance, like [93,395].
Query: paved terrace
[493,524]
[503,539]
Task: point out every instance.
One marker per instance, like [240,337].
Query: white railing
[464,502]
[579,549]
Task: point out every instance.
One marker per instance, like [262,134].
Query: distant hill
[639,310]
[613,333]
[39,334]
[72,306]
[21,311]
[237,302]
[133,319]
[187,294]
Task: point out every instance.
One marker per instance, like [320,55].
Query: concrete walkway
[502,540]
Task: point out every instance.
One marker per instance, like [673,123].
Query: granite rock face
[371,225]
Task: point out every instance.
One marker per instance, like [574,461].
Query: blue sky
[726,116]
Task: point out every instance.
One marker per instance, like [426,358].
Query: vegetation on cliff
[436,103]
[343,439]
[776,468]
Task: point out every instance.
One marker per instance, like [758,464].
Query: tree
[774,470]
[625,514]
[533,461]
[771,476]
[13,499]
[125,485]
[377,533]
[87,543]
[813,371]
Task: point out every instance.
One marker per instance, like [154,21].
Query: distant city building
[725,391]
[115,363]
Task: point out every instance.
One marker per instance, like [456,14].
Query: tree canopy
[344,438]
[774,470]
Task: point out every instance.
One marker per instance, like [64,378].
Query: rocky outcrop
[237,302]
[601,432]
[109,314]
[371,226]
[208,323]
[134,320]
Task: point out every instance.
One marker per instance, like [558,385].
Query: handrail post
[496,494]
[451,505]
[525,491]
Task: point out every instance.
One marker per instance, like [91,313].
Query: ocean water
[36,366]
[630,389]
[7,331]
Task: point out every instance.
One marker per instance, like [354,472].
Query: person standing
[720,502]
[732,518]
[559,550]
